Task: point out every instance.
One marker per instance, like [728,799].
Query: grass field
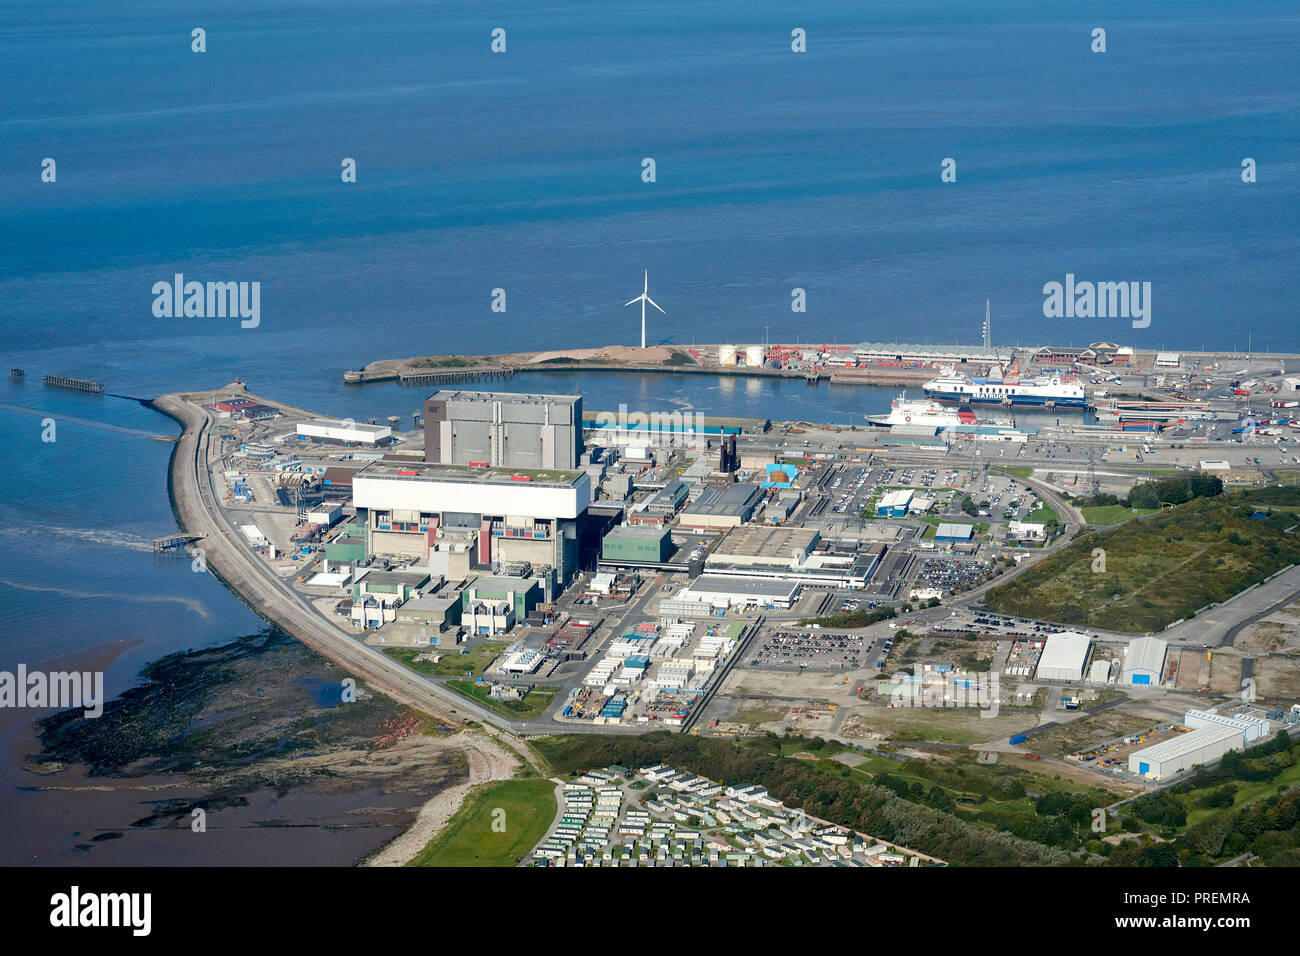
[1045,515]
[1112,514]
[1157,571]
[447,361]
[531,706]
[522,811]
[453,663]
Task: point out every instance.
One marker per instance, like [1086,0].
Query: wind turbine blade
[633,302]
[654,303]
[645,287]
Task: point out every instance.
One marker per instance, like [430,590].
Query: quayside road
[199,513]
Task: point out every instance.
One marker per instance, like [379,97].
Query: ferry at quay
[1040,391]
[924,411]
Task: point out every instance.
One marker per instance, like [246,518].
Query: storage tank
[727,355]
[754,356]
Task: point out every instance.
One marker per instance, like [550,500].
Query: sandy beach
[487,762]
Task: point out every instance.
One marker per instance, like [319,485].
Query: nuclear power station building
[503,429]
[457,520]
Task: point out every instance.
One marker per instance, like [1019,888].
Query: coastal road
[198,511]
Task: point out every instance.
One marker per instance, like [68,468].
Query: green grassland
[531,706]
[470,838]
[453,663]
[1045,515]
[447,361]
[1112,514]
[1162,569]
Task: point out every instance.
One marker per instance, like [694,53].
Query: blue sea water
[522,171]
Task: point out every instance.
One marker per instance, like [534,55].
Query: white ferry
[1042,391]
[924,411]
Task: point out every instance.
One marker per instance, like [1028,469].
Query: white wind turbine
[643,298]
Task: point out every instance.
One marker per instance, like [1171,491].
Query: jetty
[74,384]
[170,542]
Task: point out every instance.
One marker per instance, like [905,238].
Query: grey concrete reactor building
[503,429]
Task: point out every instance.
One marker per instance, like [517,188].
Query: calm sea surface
[522,171]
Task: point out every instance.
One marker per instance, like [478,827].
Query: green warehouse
[637,543]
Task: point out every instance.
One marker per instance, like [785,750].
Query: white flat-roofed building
[765,546]
[1252,728]
[1144,661]
[1168,360]
[786,555]
[873,352]
[343,433]
[427,488]
[1063,657]
[725,591]
[325,513]
[1169,757]
[521,660]
[1027,530]
[686,605]
[1100,672]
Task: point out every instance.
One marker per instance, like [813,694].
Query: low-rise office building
[331,432]
[723,591]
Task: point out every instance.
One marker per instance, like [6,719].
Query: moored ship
[924,411]
[1041,391]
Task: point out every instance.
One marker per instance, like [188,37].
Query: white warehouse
[1212,735]
[1144,661]
[1184,752]
[1063,657]
[1252,728]
[343,432]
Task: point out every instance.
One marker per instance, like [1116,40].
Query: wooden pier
[75,384]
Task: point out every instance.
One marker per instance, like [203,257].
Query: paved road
[199,512]
[1231,635]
